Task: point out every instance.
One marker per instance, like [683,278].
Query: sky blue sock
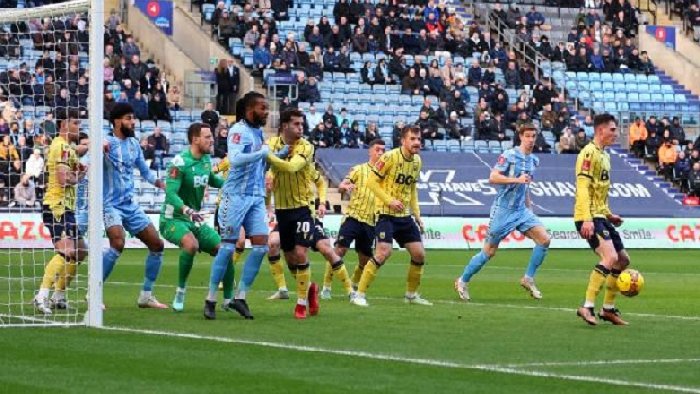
[538,255]
[218,267]
[252,266]
[109,259]
[474,265]
[153,262]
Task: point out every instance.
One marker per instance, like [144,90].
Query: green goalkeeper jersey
[186,183]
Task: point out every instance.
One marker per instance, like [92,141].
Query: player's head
[291,124]
[253,108]
[122,119]
[200,137]
[605,127]
[410,139]
[528,134]
[70,126]
[377,147]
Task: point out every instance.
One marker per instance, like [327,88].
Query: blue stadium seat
[481,146]
[582,76]
[657,98]
[606,77]
[506,144]
[645,97]
[594,77]
[666,88]
[453,146]
[653,79]
[440,145]
[632,97]
[654,88]
[468,146]
[618,77]
[632,87]
[679,98]
[595,85]
[609,86]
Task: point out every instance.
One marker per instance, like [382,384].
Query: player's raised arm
[240,148]
[294,163]
[145,172]
[348,184]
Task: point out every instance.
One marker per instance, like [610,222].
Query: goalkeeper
[181,221]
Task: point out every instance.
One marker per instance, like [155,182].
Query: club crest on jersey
[65,154]
[236,138]
[382,235]
[501,160]
[586,166]
[380,165]
[174,172]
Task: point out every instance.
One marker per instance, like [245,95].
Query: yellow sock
[598,277]
[415,272]
[277,272]
[52,271]
[328,275]
[611,289]
[66,276]
[303,277]
[357,274]
[341,272]
[368,275]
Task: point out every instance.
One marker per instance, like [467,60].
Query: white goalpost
[51,67]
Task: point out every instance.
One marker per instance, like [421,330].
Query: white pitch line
[605,362]
[408,360]
[31,319]
[450,302]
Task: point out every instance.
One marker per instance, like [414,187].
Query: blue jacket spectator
[261,55]
[474,74]
[140,106]
[534,18]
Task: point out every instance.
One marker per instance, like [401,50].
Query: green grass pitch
[502,341]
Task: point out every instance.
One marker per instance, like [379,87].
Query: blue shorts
[82,218]
[504,221]
[246,211]
[130,216]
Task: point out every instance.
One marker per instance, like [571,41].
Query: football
[630,282]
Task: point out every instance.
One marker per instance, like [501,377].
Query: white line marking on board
[408,360]
[450,302]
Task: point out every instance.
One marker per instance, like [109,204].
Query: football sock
[357,274]
[251,267]
[611,289]
[237,255]
[415,272]
[474,265]
[228,281]
[153,263]
[328,275]
[109,258]
[598,277]
[538,255]
[277,271]
[368,275]
[218,268]
[66,276]
[341,272]
[51,272]
[184,268]
[303,277]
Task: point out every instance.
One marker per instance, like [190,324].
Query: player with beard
[122,155]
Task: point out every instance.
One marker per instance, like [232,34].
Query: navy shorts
[604,230]
[354,230]
[298,227]
[64,226]
[403,230]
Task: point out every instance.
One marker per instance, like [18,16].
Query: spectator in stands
[693,18]
[137,69]
[371,133]
[359,41]
[381,73]
[681,169]
[667,158]
[535,19]
[344,62]
[221,142]
[582,139]
[262,58]
[147,83]
[209,116]
[677,132]
[454,129]
[410,83]
[330,60]
[645,65]
[549,118]
[35,164]
[140,106]
[312,94]
[512,76]
[48,126]
[227,81]
[344,117]
[157,109]
[23,149]
[567,142]
[319,138]
[694,180]
[4,127]
[637,136]
[174,99]
[157,149]
[428,126]
[312,117]
[367,73]
[474,75]
[354,137]
[251,36]
[329,116]
[9,157]
[129,88]
[25,192]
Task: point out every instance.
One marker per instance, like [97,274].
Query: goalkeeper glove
[195,216]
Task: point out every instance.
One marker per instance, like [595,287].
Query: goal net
[51,83]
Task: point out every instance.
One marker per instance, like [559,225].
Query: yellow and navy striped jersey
[592,183]
[361,205]
[60,198]
[294,176]
[397,178]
